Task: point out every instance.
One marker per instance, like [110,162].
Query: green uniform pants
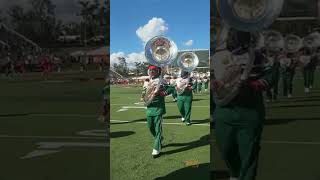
[308,76]
[287,81]
[273,93]
[312,76]
[155,126]
[199,87]
[238,133]
[174,94]
[184,106]
[195,87]
[206,85]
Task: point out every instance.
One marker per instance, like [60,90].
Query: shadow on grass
[204,121]
[203,141]
[14,115]
[172,117]
[200,172]
[298,99]
[276,121]
[293,106]
[121,134]
[134,121]
[219,175]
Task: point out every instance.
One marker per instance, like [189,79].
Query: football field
[185,154]
[290,143]
[49,129]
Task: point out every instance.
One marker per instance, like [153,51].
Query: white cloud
[188,43]
[114,57]
[135,57]
[155,27]
[130,58]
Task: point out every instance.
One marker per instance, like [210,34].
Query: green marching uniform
[194,86]
[155,110]
[206,83]
[307,68]
[199,85]
[307,76]
[288,73]
[313,67]
[239,124]
[272,93]
[173,85]
[185,98]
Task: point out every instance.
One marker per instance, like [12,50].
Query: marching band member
[199,84]
[288,68]
[314,63]
[307,55]
[239,124]
[274,64]
[206,83]
[185,98]
[144,88]
[156,109]
[195,84]
[173,84]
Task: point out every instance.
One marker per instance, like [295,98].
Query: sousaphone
[187,61]
[274,44]
[159,51]
[310,42]
[292,45]
[231,70]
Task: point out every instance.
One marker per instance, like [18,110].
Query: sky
[134,22]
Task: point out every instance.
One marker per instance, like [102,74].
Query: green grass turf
[131,143]
[291,139]
[33,110]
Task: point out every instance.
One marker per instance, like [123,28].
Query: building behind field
[300,17]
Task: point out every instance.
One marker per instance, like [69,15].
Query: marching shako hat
[153,67]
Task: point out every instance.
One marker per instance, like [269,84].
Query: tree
[39,23]
[43,9]
[141,68]
[87,13]
[121,67]
[70,28]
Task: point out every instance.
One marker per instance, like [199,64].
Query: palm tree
[87,13]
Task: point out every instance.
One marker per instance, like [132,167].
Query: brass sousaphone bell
[159,51]
[311,42]
[274,44]
[187,61]
[273,41]
[292,44]
[241,15]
